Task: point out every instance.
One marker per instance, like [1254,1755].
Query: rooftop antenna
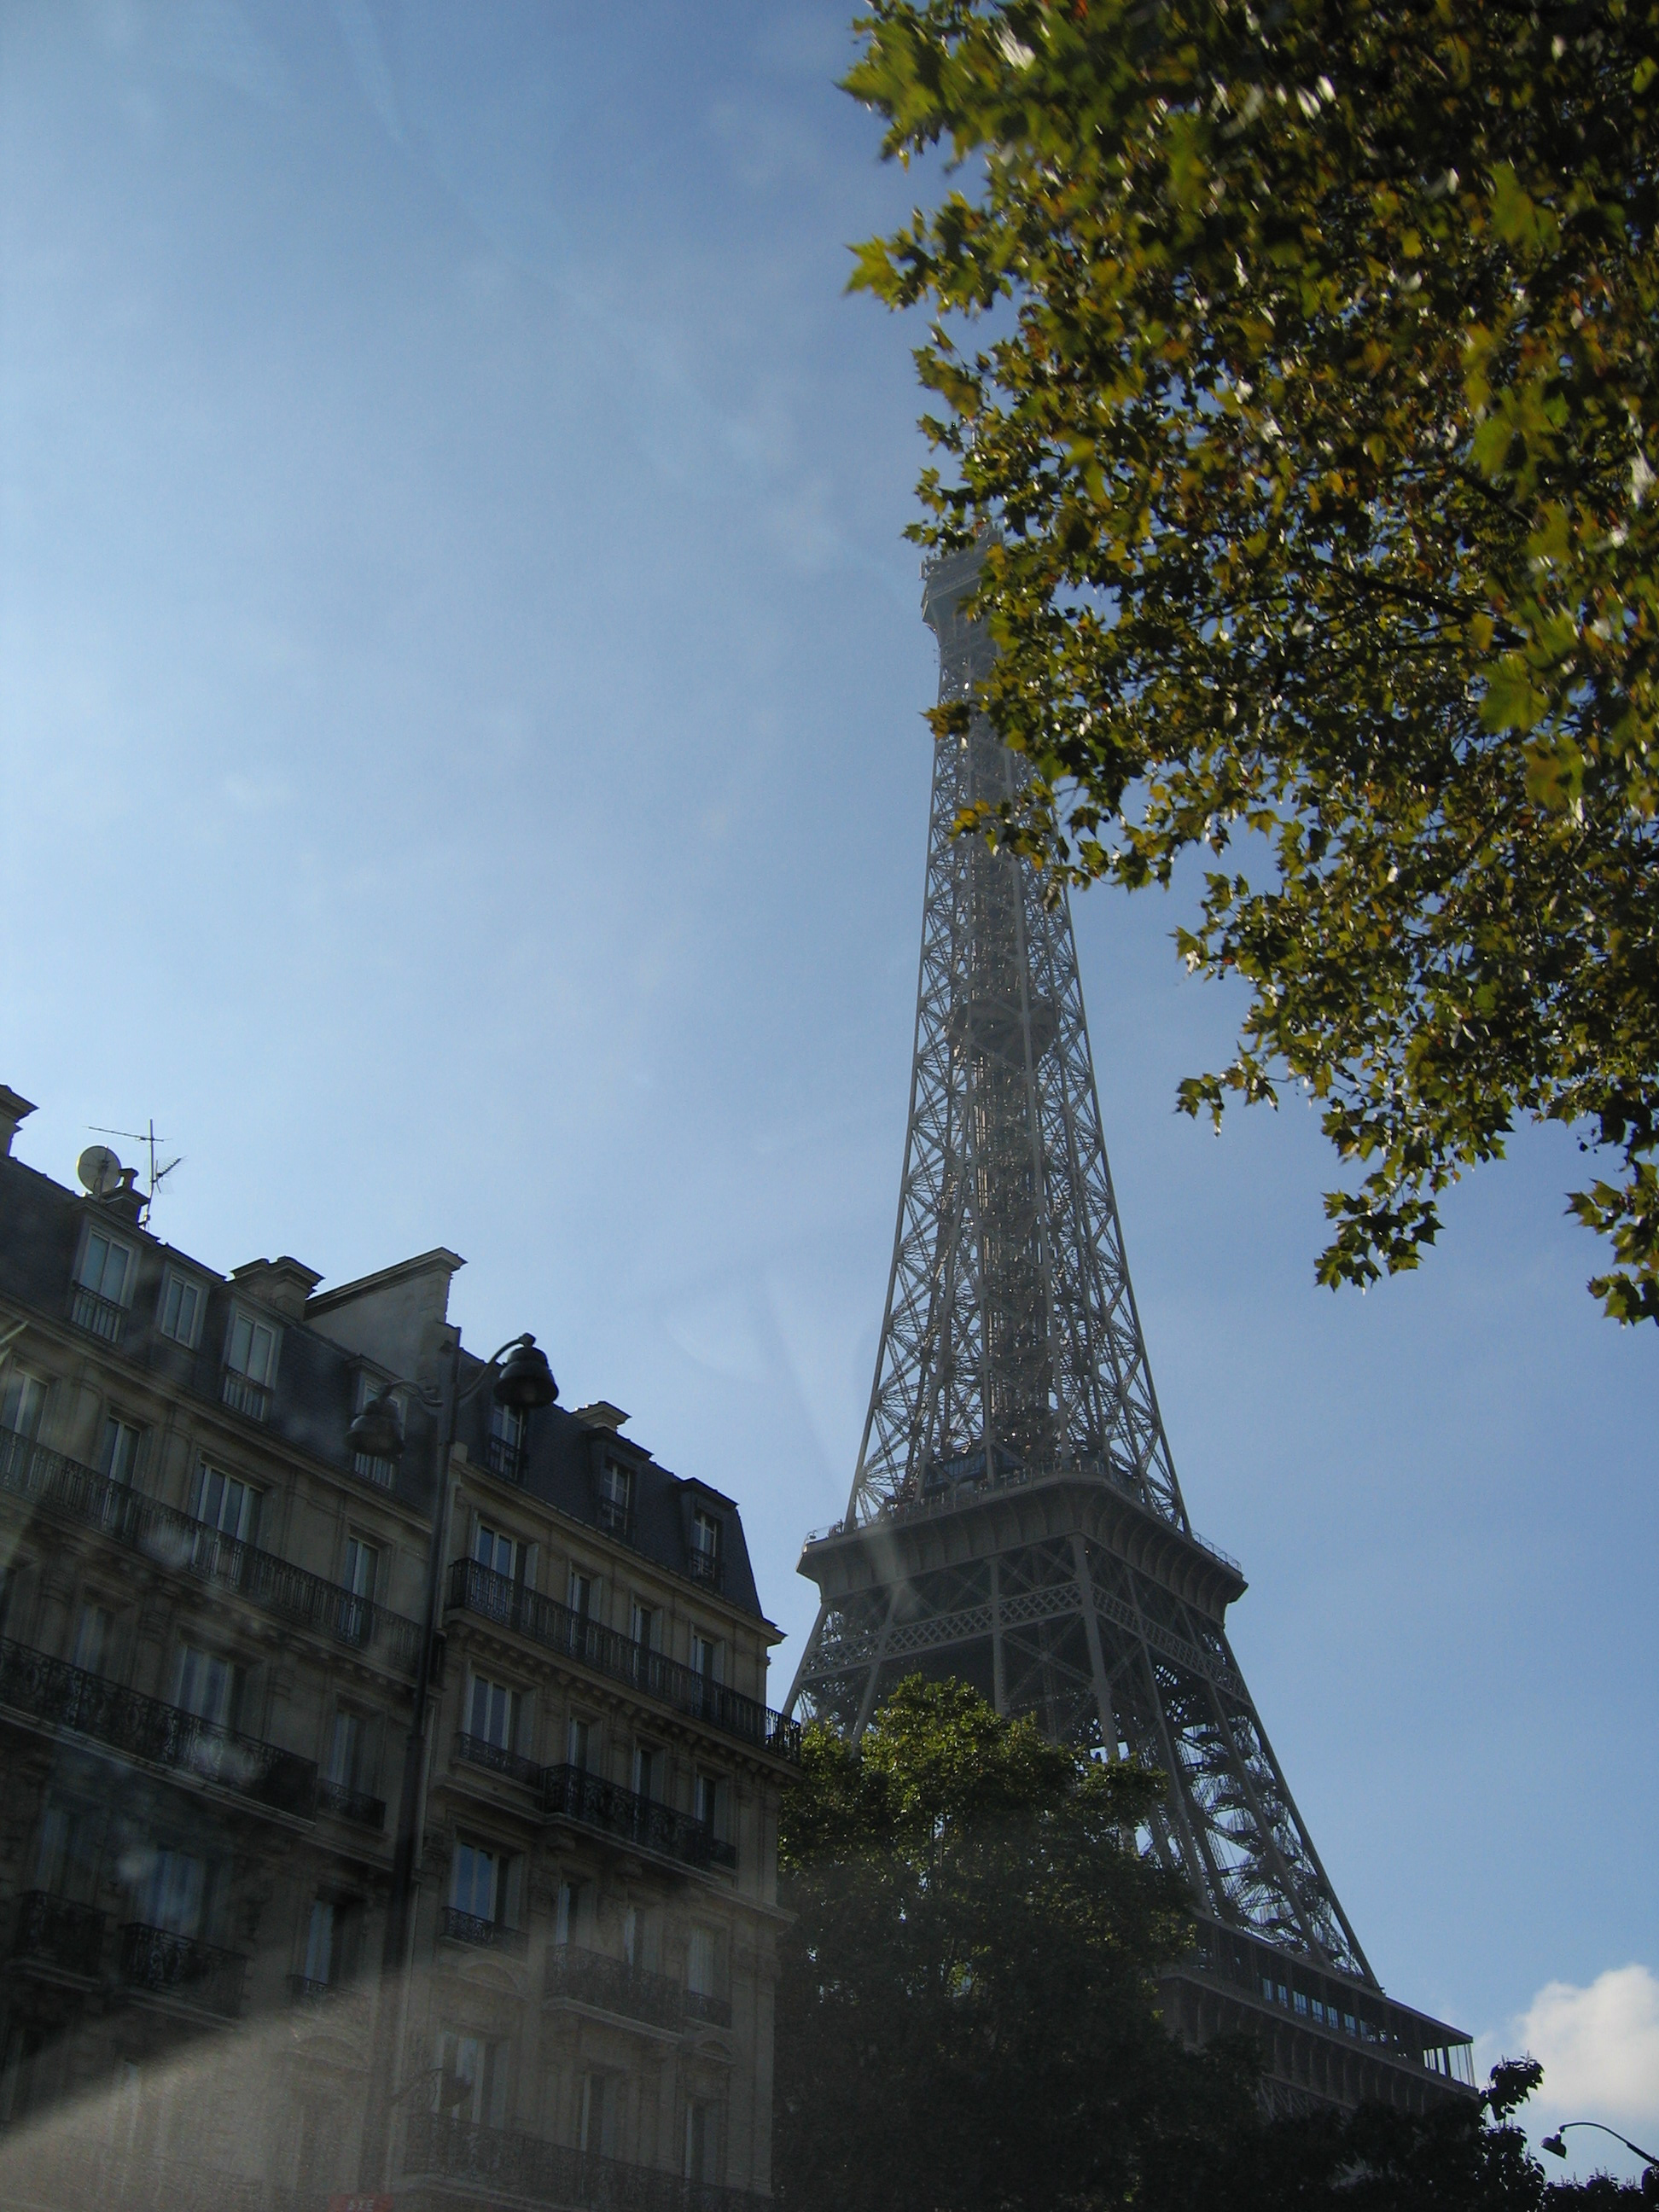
[158,1176]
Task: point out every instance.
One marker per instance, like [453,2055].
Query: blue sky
[459,691]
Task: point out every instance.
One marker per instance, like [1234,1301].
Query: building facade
[223,1623]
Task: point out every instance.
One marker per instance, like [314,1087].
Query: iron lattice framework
[1015,1520]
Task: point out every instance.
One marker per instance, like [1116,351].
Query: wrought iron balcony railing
[570,1793]
[506,2163]
[171,1538]
[243,1396]
[506,1459]
[478,1751]
[616,1518]
[98,1316]
[558,1628]
[714,2012]
[345,2003]
[53,1932]
[346,1804]
[182,1965]
[460,1927]
[705,1567]
[62,1696]
[611,1985]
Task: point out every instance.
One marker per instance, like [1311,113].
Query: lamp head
[378,1429]
[526,1381]
[1554,2145]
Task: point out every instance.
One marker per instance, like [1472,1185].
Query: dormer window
[616,1499]
[179,1313]
[705,1547]
[103,1285]
[506,1442]
[250,1365]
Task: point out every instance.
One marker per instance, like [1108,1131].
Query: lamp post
[524,1383]
[1557,2148]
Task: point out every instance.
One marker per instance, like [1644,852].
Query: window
[570,1921]
[210,1686]
[584,1595]
[23,1401]
[92,1639]
[320,1944]
[252,1351]
[700,1963]
[472,2080]
[345,1740]
[118,1455]
[705,1655]
[65,1859]
[180,1309]
[495,1549]
[708,1802]
[582,1739]
[506,1448]
[483,1884]
[644,1626]
[616,1497]
[356,1608]
[102,1282]
[226,1504]
[701,2140]
[649,1768]
[493,1715]
[597,2128]
[705,1546]
[174,1897]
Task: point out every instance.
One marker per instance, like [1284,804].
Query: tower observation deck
[1015,1520]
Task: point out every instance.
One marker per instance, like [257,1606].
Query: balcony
[172,1538]
[339,2002]
[99,1316]
[457,1927]
[245,1396]
[569,1793]
[504,2163]
[712,2012]
[493,1597]
[183,1967]
[578,1977]
[60,1696]
[478,1751]
[616,1518]
[705,1567]
[505,1458]
[354,1805]
[53,1932]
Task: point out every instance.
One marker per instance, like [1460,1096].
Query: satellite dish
[100,1170]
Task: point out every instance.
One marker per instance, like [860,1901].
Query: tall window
[483,1884]
[92,1639]
[23,1401]
[225,1503]
[705,1546]
[495,1549]
[569,1922]
[65,1857]
[701,2140]
[251,1352]
[356,1608]
[708,1802]
[583,1594]
[507,1442]
[210,1686]
[472,2078]
[494,1717]
[180,1309]
[174,1897]
[705,1655]
[700,1963]
[596,2132]
[320,1943]
[105,1268]
[580,1746]
[644,1626]
[649,1768]
[616,1497]
[118,1455]
[345,1740]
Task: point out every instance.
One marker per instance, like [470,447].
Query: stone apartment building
[225,1532]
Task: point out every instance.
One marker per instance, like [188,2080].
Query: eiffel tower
[1015,1520]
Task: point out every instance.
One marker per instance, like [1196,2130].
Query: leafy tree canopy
[967,2011]
[1312,392]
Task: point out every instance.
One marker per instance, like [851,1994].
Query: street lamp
[524,1382]
[1557,2148]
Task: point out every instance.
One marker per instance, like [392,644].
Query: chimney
[13,1110]
[283,1285]
[601,1415]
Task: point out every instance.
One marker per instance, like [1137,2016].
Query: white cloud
[1599,2047]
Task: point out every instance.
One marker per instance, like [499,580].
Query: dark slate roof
[317,1382]
[563,1457]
